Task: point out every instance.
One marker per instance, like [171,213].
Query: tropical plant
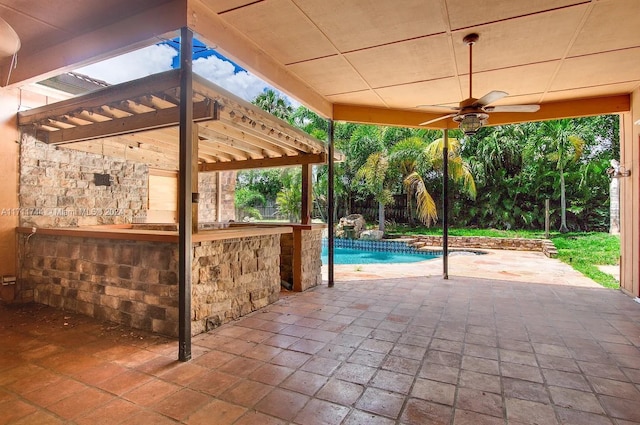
[274,103]
[246,201]
[374,174]
[432,158]
[404,156]
[289,199]
[567,145]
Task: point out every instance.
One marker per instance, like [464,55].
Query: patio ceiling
[139,120]
[374,61]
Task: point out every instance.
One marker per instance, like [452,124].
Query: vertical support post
[219,196]
[546,218]
[445,205]
[185,196]
[307,194]
[195,192]
[330,204]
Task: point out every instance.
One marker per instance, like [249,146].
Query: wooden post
[307,194]
[185,195]
[445,205]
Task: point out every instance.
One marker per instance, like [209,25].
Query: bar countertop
[127,232]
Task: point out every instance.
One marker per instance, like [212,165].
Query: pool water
[359,256]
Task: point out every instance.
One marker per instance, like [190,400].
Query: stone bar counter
[129,275]
[300,262]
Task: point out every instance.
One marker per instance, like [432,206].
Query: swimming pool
[367,253]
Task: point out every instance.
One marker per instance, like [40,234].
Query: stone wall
[517,244]
[129,282]
[57,187]
[232,278]
[136,283]
[311,258]
[310,247]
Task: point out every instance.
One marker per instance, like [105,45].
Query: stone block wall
[517,244]
[232,278]
[129,282]
[57,187]
[207,187]
[135,283]
[310,257]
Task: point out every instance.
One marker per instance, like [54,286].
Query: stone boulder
[372,235]
[351,226]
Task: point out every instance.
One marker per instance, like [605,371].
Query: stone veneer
[518,244]
[135,283]
[233,277]
[310,251]
[57,187]
[207,187]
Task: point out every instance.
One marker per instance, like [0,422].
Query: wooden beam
[125,35]
[382,116]
[161,118]
[567,109]
[247,112]
[548,111]
[307,194]
[230,130]
[99,98]
[283,161]
[238,47]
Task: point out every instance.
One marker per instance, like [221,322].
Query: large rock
[372,235]
[354,224]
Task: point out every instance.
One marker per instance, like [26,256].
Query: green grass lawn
[585,251]
[582,251]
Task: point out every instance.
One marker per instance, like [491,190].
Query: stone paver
[399,350]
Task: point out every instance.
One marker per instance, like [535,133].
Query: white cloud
[222,73]
[132,65]
[158,58]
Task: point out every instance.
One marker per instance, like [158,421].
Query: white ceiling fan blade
[444,117]
[513,108]
[491,97]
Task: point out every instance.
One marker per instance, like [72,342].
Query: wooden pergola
[179,121]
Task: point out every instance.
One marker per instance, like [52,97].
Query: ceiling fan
[473,113]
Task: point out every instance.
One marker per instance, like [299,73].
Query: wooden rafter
[283,161]
[139,122]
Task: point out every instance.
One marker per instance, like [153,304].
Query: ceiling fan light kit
[471,114]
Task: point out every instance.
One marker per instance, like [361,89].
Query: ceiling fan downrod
[470,40]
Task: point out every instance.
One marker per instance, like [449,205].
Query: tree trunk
[409,209]
[563,205]
[381,216]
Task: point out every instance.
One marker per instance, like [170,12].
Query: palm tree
[404,156]
[374,174]
[459,171]
[274,103]
[566,141]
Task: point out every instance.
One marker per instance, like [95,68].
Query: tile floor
[388,351]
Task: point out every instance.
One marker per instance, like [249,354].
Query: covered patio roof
[139,120]
[369,61]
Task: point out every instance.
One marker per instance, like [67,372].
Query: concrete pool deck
[517,266]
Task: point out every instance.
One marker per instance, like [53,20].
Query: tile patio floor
[404,350]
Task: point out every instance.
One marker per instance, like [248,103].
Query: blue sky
[164,56]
